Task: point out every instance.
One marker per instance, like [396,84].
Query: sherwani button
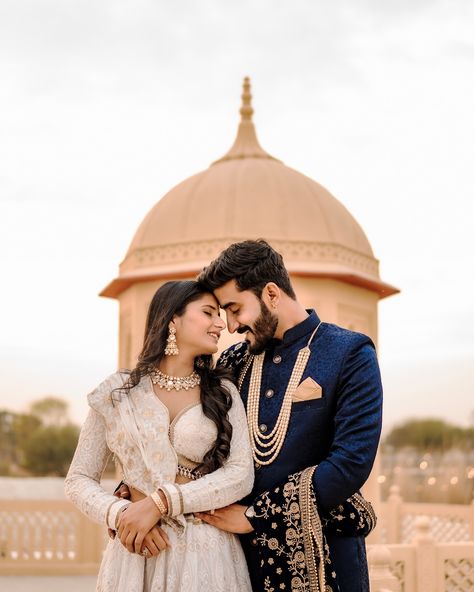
[277,359]
[269,394]
[263,427]
[254,542]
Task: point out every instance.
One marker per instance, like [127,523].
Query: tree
[42,441]
[430,435]
[50,449]
[51,411]
[7,442]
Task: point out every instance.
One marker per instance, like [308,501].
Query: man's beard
[263,330]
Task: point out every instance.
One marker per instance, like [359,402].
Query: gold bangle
[159,503]
[164,491]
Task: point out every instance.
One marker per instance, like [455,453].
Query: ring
[145,552]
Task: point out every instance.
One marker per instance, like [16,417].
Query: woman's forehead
[207,299]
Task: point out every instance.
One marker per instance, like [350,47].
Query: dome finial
[246,144]
[246,111]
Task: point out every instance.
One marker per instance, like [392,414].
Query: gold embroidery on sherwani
[294,552]
[293,547]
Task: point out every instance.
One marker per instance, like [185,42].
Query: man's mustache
[244,329]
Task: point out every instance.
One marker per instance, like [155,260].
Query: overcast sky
[106,105]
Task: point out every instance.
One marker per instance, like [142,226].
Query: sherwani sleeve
[358,420]
[226,485]
[357,426]
[82,485]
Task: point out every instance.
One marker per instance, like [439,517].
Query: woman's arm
[229,483]
[82,485]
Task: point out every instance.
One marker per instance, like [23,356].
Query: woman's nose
[220,323]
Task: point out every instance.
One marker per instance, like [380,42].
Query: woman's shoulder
[231,388]
[228,384]
[102,396]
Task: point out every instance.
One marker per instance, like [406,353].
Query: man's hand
[231,518]
[122,492]
[135,522]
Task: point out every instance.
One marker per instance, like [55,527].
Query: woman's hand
[135,522]
[155,541]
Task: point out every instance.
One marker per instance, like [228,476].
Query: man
[314,398]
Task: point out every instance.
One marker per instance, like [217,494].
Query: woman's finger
[129,541]
[158,539]
[123,536]
[164,535]
[150,545]
[121,525]
[138,543]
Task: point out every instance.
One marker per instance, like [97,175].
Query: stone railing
[422,566]
[52,537]
[48,537]
[449,523]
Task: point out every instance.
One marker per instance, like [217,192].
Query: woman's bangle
[159,503]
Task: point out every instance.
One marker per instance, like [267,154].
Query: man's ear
[271,295]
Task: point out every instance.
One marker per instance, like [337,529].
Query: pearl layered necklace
[266,447]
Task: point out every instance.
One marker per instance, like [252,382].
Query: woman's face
[198,329]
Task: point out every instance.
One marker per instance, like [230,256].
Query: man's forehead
[229,294]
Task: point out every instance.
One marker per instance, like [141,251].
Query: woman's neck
[180,365]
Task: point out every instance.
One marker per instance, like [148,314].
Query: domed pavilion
[249,194]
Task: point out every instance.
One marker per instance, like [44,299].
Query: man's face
[247,314]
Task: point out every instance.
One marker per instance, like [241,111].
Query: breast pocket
[313,405]
[308,422]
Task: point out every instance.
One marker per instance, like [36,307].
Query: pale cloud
[105,105]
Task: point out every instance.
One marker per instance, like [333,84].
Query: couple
[199,470]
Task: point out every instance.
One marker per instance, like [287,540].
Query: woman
[179,432]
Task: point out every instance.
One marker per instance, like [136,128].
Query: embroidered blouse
[135,427]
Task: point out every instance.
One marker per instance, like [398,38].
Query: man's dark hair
[252,264]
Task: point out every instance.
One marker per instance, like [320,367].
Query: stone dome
[249,194]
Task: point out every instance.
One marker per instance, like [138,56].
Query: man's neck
[291,314]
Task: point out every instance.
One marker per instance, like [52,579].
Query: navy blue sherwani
[337,429]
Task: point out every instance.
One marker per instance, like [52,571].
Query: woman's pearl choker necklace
[177,383]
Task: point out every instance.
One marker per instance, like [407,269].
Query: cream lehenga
[135,427]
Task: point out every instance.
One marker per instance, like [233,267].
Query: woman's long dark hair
[169,300]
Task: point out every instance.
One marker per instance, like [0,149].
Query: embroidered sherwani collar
[300,330]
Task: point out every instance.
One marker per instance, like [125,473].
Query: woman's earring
[200,362]
[171,348]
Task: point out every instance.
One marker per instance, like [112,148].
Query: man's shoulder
[234,356]
[342,338]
